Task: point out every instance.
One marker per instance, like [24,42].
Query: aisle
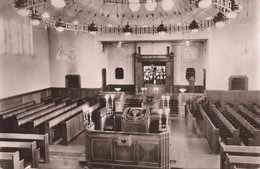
[189,151]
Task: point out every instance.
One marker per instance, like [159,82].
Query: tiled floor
[187,151]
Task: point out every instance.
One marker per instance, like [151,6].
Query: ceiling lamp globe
[60,29]
[231,14]
[127,33]
[35,22]
[58,3]
[45,15]
[150,5]
[23,12]
[220,24]
[204,3]
[194,30]
[167,5]
[134,5]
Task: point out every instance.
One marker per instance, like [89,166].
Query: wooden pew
[36,122]
[255,141]
[236,150]
[17,107]
[211,132]
[12,113]
[42,141]
[22,121]
[11,160]
[256,109]
[243,161]
[73,126]
[57,120]
[30,112]
[249,114]
[235,140]
[31,155]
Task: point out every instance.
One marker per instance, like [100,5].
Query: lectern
[128,148]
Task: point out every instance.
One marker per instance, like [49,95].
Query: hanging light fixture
[35,18]
[234,9]
[161,29]
[134,5]
[45,15]
[60,25]
[167,5]
[194,26]
[220,19]
[92,28]
[204,3]
[58,3]
[61,54]
[20,8]
[127,30]
[150,5]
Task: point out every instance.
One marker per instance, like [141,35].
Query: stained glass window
[154,74]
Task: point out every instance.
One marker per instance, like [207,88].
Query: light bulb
[58,3]
[34,22]
[60,29]
[45,15]
[23,12]
[127,33]
[204,3]
[231,14]
[220,24]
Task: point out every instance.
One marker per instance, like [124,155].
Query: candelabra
[164,113]
[87,112]
[110,103]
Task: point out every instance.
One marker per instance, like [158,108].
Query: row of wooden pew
[238,157]
[23,150]
[28,129]
[233,130]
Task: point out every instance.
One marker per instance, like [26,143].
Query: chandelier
[141,16]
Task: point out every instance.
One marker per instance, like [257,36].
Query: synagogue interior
[129,84]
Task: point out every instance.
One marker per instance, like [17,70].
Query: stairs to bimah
[133,102]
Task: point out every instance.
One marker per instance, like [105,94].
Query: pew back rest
[11,160]
[31,153]
[225,121]
[236,150]
[42,141]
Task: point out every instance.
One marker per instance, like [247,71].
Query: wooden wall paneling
[139,76]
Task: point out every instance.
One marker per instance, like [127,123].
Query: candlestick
[168,101]
[163,99]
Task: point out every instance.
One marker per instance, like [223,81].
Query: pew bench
[242,161]
[13,113]
[11,160]
[17,107]
[28,151]
[42,141]
[53,128]
[254,140]
[74,126]
[235,139]
[19,122]
[236,150]
[211,132]
[36,126]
